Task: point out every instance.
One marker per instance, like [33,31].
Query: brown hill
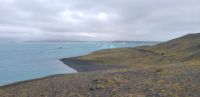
[180,47]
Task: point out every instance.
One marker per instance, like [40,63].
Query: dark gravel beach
[86,66]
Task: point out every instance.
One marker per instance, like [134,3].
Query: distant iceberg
[106,45]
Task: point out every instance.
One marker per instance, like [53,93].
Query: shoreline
[86,66]
[76,64]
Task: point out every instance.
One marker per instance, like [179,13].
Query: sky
[98,20]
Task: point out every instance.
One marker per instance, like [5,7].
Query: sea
[21,61]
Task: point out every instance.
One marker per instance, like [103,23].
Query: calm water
[28,60]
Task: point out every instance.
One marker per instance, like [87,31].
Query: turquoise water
[28,60]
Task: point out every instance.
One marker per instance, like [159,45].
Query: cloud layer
[155,20]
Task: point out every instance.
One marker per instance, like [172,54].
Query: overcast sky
[148,20]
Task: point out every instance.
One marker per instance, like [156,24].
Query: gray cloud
[98,19]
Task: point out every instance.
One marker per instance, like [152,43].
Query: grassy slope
[180,47]
[128,56]
[186,48]
[149,73]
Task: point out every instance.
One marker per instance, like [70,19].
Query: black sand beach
[86,66]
